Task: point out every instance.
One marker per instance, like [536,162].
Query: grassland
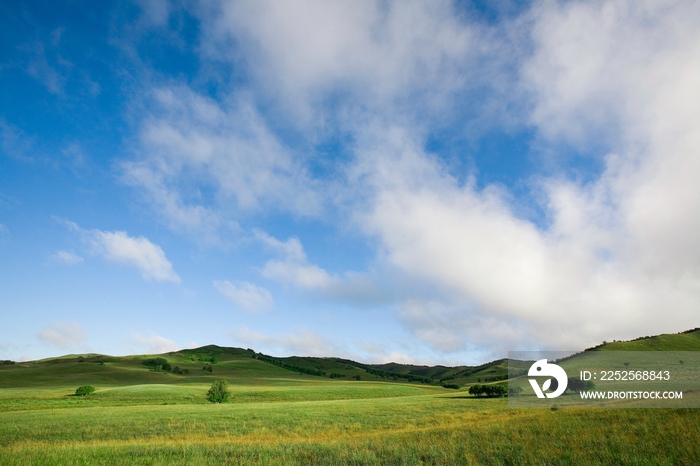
[277,416]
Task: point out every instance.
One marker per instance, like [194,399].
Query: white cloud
[620,257]
[247,295]
[67,257]
[308,276]
[153,344]
[63,335]
[191,141]
[139,252]
[294,268]
[304,342]
[379,354]
[375,52]
[119,247]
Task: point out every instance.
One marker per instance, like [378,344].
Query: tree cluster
[292,367]
[158,364]
[488,390]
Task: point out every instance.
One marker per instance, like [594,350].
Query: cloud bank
[612,81]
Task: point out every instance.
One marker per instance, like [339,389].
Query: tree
[577,385]
[158,364]
[515,391]
[84,390]
[476,390]
[488,390]
[218,393]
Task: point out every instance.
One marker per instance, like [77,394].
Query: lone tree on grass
[218,393]
[84,390]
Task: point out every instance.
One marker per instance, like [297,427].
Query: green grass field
[276,416]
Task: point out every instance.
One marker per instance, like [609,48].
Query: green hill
[688,340]
[245,366]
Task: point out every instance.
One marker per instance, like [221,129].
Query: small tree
[84,390]
[218,393]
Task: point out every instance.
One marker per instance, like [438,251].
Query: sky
[425,182]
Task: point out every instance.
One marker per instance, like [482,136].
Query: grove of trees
[488,390]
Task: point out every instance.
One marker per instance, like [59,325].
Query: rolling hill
[245,366]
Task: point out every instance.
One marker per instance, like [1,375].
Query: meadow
[275,416]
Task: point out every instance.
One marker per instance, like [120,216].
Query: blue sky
[426,182]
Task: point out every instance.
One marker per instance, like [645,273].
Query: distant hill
[209,362]
[688,340]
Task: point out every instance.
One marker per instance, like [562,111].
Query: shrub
[218,393]
[84,390]
[451,385]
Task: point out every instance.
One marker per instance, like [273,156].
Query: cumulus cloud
[119,247]
[377,53]
[619,257]
[140,253]
[153,344]
[247,295]
[294,267]
[191,141]
[615,80]
[66,257]
[63,335]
